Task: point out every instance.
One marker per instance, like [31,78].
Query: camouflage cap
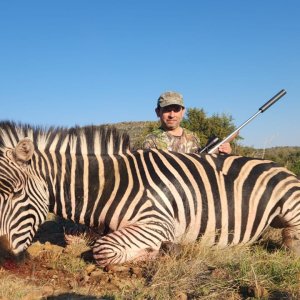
[170,98]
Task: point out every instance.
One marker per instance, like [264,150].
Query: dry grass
[197,272]
[12,287]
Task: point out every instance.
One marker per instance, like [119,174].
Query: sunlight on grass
[13,288]
[197,272]
[205,273]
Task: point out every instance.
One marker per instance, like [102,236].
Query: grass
[12,287]
[232,273]
[196,272]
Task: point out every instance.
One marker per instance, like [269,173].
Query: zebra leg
[133,242]
[291,238]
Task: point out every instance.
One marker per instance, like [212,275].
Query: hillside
[137,129]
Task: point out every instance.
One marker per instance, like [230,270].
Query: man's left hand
[225,148]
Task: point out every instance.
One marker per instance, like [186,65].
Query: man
[170,135]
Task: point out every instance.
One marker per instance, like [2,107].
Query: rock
[257,292]
[116,268]
[35,249]
[90,268]
[47,290]
[96,273]
[137,271]
[33,296]
[181,296]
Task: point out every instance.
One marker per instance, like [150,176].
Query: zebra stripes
[142,198]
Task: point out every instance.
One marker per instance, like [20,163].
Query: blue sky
[77,62]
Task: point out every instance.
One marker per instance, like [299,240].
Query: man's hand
[225,148]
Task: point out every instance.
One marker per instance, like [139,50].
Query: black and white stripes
[140,199]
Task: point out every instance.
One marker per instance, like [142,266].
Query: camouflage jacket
[161,139]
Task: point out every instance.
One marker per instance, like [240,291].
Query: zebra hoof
[292,241]
[169,248]
[294,246]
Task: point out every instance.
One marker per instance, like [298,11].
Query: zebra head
[23,197]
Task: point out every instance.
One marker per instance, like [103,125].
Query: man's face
[170,116]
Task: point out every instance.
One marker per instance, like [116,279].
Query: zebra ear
[24,150]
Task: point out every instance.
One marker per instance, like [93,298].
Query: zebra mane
[91,139]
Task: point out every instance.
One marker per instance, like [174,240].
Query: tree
[205,127]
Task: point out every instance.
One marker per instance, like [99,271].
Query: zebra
[138,199]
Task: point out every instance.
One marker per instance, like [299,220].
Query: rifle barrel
[261,110]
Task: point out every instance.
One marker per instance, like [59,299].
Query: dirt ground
[59,265]
[59,270]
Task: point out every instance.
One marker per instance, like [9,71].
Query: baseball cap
[170,98]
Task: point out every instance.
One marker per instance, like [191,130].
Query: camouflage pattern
[170,98]
[161,139]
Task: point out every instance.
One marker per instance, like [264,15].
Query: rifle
[212,142]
